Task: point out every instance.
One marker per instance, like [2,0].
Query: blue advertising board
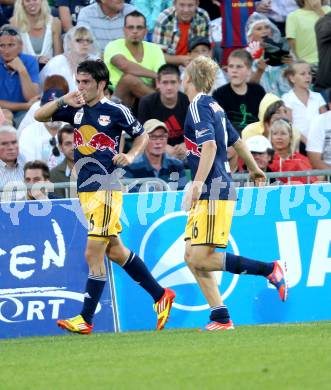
[42,268]
[291,223]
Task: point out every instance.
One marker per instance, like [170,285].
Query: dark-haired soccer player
[211,197]
[98,126]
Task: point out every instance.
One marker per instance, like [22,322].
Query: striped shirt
[9,178]
[104,28]
[167,32]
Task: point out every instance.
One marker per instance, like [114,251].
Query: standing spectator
[300,29]
[79,45]
[40,31]
[323,36]
[176,26]
[239,98]
[155,162]
[285,159]
[133,62]
[69,11]
[63,173]
[168,105]
[11,164]
[319,140]
[304,103]
[105,18]
[19,75]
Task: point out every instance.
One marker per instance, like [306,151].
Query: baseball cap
[258,144]
[51,94]
[198,41]
[153,124]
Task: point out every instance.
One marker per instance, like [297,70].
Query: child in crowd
[240,99]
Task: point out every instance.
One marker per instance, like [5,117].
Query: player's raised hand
[258,176]
[122,159]
[74,99]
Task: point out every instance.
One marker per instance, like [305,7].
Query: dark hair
[96,68]
[135,14]
[168,69]
[56,81]
[37,164]
[67,129]
[272,109]
[243,55]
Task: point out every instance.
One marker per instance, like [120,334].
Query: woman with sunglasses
[79,45]
[40,31]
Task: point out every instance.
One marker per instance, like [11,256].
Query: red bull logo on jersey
[191,147]
[88,140]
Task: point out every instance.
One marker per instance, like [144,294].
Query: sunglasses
[8,31]
[55,149]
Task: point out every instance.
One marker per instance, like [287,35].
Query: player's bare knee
[198,263]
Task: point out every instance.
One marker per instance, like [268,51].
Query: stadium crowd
[274,79]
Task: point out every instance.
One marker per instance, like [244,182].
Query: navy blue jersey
[97,136]
[206,121]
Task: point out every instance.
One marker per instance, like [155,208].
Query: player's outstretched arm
[45,112]
[138,147]
[255,172]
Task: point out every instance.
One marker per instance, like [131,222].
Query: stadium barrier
[43,272]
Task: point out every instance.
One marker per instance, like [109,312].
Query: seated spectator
[133,62]
[201,46]
[285,159]
[300,29]
[11,164]
[79,45]
[151,9]
[19,75]
[323,37]
[259,29]
[37,172]
[63,172]
[69,11]
[155,162]
[319,140]
[176,26]
[168,105]
[261,150]
[40,31]
[239,98]
[105,18]
[39,141]
[304,103]
[55,82]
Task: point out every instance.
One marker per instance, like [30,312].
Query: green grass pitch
[287,356]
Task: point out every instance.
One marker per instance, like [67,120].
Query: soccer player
[98,126]
[211,198]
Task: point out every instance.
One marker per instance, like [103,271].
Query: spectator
[176,26]
[261,150]
[285,159]
[40,31]
[239,98]
[69,11]
[323,35]
[56,82]
[37,172]
[261,33]
[63,172]
[304,103]
[319,140]
[300,29]
[39,141]
[105,18]
[11,164]
[79,45]
[151,9]
[155,162]
[133,62]
[19,75]
[168,105]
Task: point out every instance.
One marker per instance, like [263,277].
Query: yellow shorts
[102,210]
[209,223]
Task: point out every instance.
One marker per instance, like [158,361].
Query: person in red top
[285,159]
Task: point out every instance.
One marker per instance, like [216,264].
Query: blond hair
[202,73]
[283,124]
[21,20]
[291,70]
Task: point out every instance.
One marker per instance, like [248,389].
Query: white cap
[258,144]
